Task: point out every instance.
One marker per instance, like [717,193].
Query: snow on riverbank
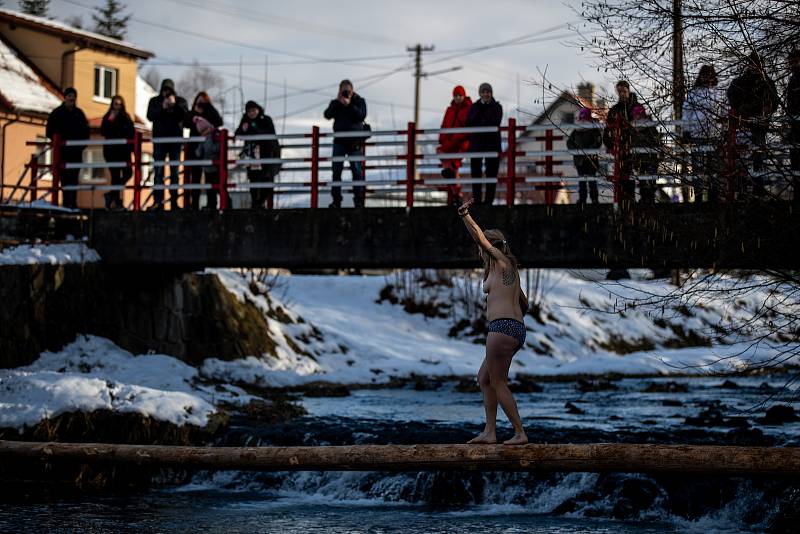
[53,254]
[92,373]
[575,334]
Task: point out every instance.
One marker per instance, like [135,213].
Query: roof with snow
[65,30]
[21,88]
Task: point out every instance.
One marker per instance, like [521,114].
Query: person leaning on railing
[166,111]
[348,111]
[703,112]
[646,143]
[753,99]
[485,112]
[256,122]
[452,143]
[792,100]
[70,124]
[587,137]
[193,174]
[617,138]
[117,124]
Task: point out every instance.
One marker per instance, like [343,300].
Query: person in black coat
[486,111]
[617,137]
[586,136]
[201,107]
[69,122]
[255,122]
[793,111]
[348,111]
[167,112]
[753,99]
[117,124]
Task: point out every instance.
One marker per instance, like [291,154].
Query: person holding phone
[348,111]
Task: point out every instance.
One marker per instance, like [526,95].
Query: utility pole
[418,50]
[678,84]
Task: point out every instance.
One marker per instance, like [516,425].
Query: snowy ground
[52,254]
[92,373]
[577,333]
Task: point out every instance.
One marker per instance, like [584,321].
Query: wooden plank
[602,457]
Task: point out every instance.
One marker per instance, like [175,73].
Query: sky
[310,45]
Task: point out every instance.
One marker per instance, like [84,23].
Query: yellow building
[41,58]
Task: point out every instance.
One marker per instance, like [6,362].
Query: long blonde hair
[498,241]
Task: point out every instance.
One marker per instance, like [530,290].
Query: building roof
[65,30]
[21,88]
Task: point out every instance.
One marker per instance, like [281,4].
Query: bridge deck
[748,236]
[603,457]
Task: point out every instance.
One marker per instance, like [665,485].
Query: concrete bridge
[745,236]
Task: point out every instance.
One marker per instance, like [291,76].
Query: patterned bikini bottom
[509,327]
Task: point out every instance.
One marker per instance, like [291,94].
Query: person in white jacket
[704,111]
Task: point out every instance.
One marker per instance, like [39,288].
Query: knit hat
[585,114]
[167,84]
[485,87]
[459,90]
[70,91]
[252,104]
[202,124]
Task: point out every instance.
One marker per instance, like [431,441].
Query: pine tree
[109,20]
[39,8]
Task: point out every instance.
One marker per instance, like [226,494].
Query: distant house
[561,112]
[39,58]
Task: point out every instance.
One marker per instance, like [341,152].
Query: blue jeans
[356,168]
[161,152]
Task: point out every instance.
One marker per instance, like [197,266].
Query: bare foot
[518,439]
[488,438]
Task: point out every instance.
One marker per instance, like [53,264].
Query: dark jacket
[347,118]
[120,127]
[70,125]
[793,107]
[481,114]
[646,137]
[753,95]
[585,139]
[262,124]
[167,122]
[620,116]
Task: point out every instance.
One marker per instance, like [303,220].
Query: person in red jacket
[453,143]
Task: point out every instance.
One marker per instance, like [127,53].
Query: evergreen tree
[110,21]
[39,8]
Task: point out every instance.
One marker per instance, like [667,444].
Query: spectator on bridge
[166,111]
[753,99]
[646,145]
[117,124]
[703,110]
[586,136]
[69,122]
[209,149]
[452,143]
[793,111]
[485,112]
[256,122]
[348,111]
[201,107]
[617,139]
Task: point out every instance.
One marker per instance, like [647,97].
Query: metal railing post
[137,170]
[314,167]
[411,161]
[55,169]
[34,178]
[549,193]
[223,169]
[511,160]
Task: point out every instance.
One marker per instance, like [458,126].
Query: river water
[291,503]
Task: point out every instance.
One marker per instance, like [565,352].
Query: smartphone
[346,93]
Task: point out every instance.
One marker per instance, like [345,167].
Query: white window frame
[114,77]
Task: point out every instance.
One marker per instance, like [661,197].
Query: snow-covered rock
[52,254]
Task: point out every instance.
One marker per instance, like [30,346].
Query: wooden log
[602,457]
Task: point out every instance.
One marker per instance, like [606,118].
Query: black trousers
[259,196]
[69,177]
[586,169]
[119,176]
[476,168]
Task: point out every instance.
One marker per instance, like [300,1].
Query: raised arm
[477,234]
